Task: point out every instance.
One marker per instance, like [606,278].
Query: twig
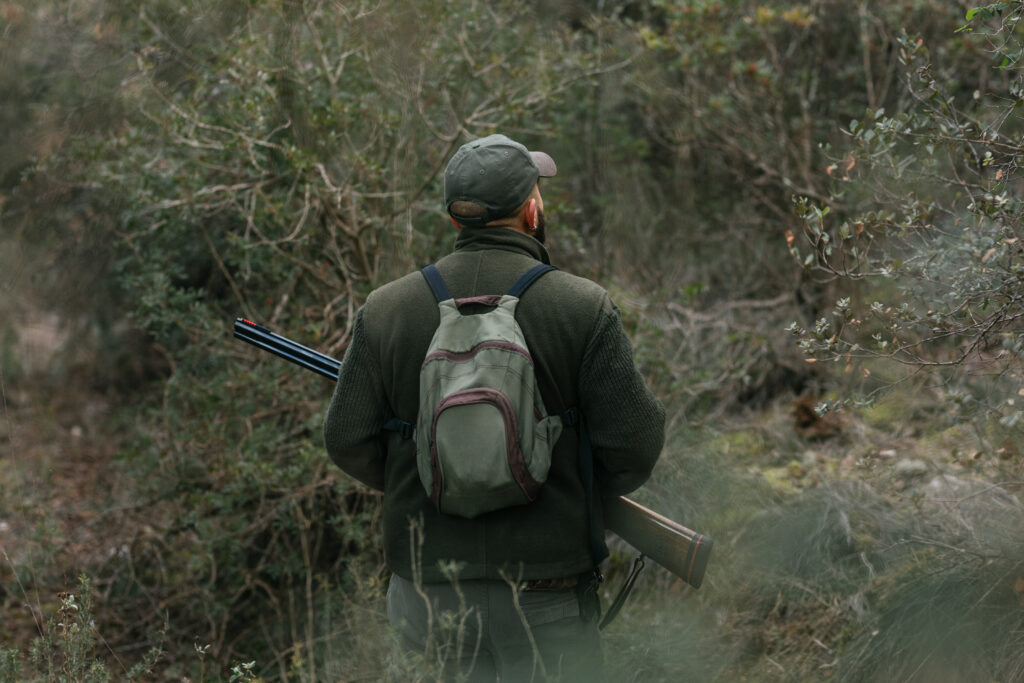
[538,662]
[1002,484]
[865,43]
[224,270]
[21,586]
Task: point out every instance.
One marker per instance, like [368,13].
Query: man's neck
[473,239]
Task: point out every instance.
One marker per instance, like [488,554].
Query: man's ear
[530,214]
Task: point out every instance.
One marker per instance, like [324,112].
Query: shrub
[68,648]
[932,255]
[278,161]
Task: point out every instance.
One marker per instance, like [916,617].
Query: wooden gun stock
[682,551]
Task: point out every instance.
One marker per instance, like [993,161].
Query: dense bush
[278,161]
[932,251]
[693,155]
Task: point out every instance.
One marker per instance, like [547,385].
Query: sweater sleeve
[357,413]
[625,421]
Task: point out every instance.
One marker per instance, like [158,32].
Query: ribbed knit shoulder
[394,309]
[576,290]
[408,287]
[568,306]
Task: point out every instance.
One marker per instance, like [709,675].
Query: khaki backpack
[483,437]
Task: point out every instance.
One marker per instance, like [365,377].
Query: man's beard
[540,231]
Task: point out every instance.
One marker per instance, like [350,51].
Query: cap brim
[545,163]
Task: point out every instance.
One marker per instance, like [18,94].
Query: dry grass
[836,559]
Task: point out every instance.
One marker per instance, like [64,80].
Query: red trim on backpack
[461,357]
[491,300]
[516,460]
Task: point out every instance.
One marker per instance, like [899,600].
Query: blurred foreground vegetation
[810,214]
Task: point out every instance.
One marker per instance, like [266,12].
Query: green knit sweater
[582,358]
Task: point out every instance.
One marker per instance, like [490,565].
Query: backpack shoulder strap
[528,278]
[436,282]
[437,285]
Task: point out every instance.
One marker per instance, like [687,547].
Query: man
[525,600]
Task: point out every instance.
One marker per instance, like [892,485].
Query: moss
[743,505]
[953,441]
[742,444]
[891,412]
[781,479]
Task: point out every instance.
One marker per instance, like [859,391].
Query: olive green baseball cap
[496,174]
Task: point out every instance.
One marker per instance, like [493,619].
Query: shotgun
[682,551]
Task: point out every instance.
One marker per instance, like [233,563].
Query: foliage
[278,160]
[691,157]
[67,649]
[934,257]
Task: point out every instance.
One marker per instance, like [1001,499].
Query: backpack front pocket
[476,459]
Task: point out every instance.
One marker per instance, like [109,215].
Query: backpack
[483,437]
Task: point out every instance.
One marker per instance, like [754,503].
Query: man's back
[581,359]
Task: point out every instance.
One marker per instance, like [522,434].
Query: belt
[561,584]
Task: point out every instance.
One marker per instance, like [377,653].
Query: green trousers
[483,630]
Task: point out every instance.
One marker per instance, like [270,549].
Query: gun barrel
[261,337]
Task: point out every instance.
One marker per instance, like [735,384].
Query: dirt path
[54,477]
